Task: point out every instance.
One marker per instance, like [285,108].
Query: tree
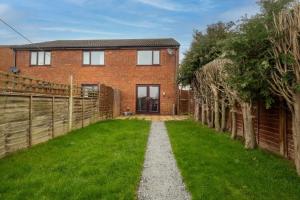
[285,72]
[247,49]
[204,48]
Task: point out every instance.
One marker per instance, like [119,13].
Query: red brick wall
[6,58]
[120,71]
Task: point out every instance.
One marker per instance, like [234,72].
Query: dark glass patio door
[148,99]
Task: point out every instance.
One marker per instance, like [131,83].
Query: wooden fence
[185,102]
[273,127]
[34,111]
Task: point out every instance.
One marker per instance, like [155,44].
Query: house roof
[116,43]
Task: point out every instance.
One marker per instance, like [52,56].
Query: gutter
[100,48]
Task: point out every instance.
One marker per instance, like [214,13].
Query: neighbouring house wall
[6,58]
[120,72]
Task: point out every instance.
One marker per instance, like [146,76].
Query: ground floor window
[89,90]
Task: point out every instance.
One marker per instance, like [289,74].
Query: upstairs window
[93,58]
[148,57]
[40,58]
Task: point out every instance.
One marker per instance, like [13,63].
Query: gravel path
[161,178]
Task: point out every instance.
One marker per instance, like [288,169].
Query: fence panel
[273,127]
[269,128]
[61,118]
[14,123]
[41,120]
[34,111]
[290,139]
[117,103]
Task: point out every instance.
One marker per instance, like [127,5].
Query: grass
[215,167]
[101,161]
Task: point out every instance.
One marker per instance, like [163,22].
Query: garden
[101,161]
[233,68]
[215,167]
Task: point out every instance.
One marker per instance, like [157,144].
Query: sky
[44,20]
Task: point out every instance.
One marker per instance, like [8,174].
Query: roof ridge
[103,43]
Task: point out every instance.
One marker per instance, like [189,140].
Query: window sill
[93,65]
[148,65]
[40,66]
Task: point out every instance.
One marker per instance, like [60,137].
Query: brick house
[6,57]
[144,70]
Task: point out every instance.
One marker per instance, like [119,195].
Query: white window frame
[87,89]
[38,57]
[152,57]
[90,58]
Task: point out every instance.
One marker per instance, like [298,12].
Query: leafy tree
[284,73]
[248,49]
[205,47]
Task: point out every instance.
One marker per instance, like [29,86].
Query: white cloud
[77,2]
[4,9]
[163,4]
[76,30]
[174,6]
[237,13]
[139,24]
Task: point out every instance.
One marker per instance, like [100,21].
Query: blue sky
[42,20]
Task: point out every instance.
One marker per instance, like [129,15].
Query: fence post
[258,121]
[71,103]
[53,101]
[282,130]
[99,102]
[30,122]
[82,113]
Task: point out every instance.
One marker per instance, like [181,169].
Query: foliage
[205,47]
[248,49]
[101,161]
[247,44]
[215,167]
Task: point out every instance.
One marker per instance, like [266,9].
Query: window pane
[154,99]
[142,99]
[86,58]
[41,58]
[154,92]
[144,57]
[89,90]
[47,58]
[97,58]
[156,57]
[33,58]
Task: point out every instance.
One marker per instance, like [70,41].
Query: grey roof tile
[116,43]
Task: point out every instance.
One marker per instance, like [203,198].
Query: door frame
[148,93]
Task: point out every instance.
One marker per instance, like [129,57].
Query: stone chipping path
[161,179]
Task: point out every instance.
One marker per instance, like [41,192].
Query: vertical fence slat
[30,122]
[282,130]
[82,113]
[71,103]
[53,101]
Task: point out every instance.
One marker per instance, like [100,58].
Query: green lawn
[216,167]
[101,161]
